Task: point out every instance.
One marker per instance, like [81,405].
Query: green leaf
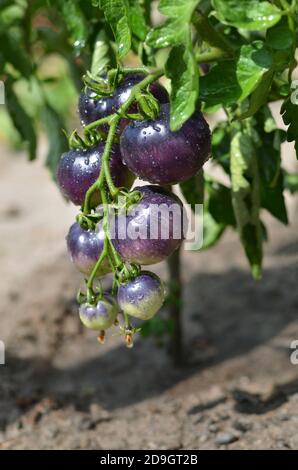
[269,163]
[233,80]
[217,211]
[176,29]
[166,35]
[281,41]
[280,37]
[193,189]
[290,181]
[103,55]
[246,198]
[137,19]
[182,69]
[272,199]
[289,112]
[212,231]
[219,203]
[14,53]
[20,119]
[117,15]
[260,95]
[181,66]
[57,140]
[12,14]
[4,4]
[75,23]
[247,14]
[220,143]
[146,5]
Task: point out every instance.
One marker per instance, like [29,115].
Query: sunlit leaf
[247,14]
[117,15]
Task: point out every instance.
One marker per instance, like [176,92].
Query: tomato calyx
[148,105]
[127,199]
[88,222]
[127,272]
[103,85]
[100,86]
[90,139]
[92,296]
[128,332]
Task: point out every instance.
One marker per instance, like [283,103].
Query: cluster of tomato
[146,149]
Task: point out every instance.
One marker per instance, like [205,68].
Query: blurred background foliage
[46,46]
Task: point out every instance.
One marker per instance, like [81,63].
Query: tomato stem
[97,123]
[210,56]
[96,267]
[145,70]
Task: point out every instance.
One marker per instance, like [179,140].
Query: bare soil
[60,389]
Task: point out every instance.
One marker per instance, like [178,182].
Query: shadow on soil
[238,315]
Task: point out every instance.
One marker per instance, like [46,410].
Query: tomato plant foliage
[249,46]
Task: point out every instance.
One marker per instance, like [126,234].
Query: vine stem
[137,70]
[108,247]
[175,311]
[96,267]
[105,174]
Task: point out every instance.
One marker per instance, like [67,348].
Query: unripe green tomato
[142,297]
[100,316]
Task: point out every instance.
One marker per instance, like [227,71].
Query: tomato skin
[92,109]
[205,67]
[142,297]
[79,169]
[100,316]
[85,247]
[142,217]
[156,154]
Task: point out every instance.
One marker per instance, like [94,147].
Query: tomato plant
[233,56]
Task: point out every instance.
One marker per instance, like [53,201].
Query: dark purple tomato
[100,316]
[152,228]
[156,154]
[79,169]
[92,109]
[142,297]
[85,247]
[205,67]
